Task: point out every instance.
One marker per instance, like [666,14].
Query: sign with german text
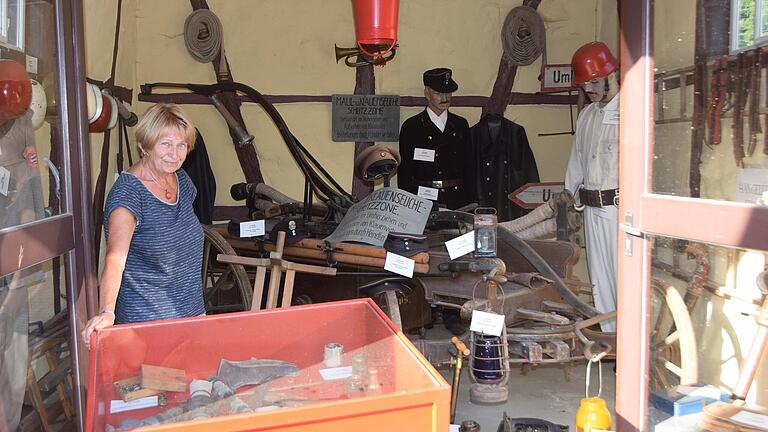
[365,118]
[384,210]
[532,195]
[556,77]
[752,185]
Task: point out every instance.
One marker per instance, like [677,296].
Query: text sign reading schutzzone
[384,210]
[365,118]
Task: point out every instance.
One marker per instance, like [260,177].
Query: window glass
[745,22]
[12,29]
[30,167]
[33,338]
[702,327]
[764,19]
[709,125]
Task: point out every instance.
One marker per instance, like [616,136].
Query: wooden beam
[517,98]
[246,155]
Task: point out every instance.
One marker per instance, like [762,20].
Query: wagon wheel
[219,279]
[674,357]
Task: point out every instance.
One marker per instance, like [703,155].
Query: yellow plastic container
[592,414]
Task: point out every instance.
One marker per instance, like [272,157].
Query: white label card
[428,193]
[336,373]
[611,117]
[118,405]
[487,323]
[399,264]
[461,245]
[751,419]
[422,154]
[252,228]
[5,180]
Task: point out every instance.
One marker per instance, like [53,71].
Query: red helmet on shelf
[593,60]
[15,90]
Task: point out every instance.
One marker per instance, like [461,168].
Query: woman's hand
[104,319]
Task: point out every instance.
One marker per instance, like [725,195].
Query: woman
[154,251]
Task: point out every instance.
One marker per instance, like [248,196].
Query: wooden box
[411,395]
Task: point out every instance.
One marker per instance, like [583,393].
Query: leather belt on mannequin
[440,184]
[599,198]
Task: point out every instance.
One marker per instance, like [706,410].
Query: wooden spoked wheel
[674,357]
[226,287]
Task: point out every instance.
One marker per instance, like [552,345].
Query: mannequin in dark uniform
[435,147]
[436,155]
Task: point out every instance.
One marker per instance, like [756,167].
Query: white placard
[422,154]
[611,118]
[556,77]
[427,193]
[454,428]
[461,245]
[336,373]
[751,183]
[252,228]
[751,419]
[31,64]
[118,405]
[5,180]
[487,323]
[399,264]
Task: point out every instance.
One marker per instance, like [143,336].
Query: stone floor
[546,392]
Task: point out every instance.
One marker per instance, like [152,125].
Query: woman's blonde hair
[158,121]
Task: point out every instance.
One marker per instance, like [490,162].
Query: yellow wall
[286,47]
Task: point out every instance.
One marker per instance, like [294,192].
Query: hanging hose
[542,267]
[332,194]
[203,35]
[523,36]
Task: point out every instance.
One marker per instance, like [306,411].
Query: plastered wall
[286,47]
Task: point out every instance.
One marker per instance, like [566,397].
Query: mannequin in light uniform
[593,169]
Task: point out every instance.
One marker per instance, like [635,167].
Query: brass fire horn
[348,53]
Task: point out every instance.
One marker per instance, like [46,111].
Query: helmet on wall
[15,89]
[105,113]
[38,105]
[94,101]
[593,60]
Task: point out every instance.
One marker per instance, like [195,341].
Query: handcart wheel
[674,356]
[219,279]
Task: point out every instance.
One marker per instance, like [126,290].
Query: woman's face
[168,153]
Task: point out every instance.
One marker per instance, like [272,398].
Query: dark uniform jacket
[504,163]
[198,167]
[451,165]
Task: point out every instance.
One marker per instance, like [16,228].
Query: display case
[339,366]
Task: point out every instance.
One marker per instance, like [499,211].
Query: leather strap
[599,198]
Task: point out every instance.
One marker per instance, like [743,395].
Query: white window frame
[16,43]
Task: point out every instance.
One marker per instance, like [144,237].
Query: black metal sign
[365,118]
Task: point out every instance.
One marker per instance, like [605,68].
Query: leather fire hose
[545,270]
[523,36]
[203,35]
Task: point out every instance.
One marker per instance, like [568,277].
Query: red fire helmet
[593,60]
[15,90]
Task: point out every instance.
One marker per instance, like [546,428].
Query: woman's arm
[122,223]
